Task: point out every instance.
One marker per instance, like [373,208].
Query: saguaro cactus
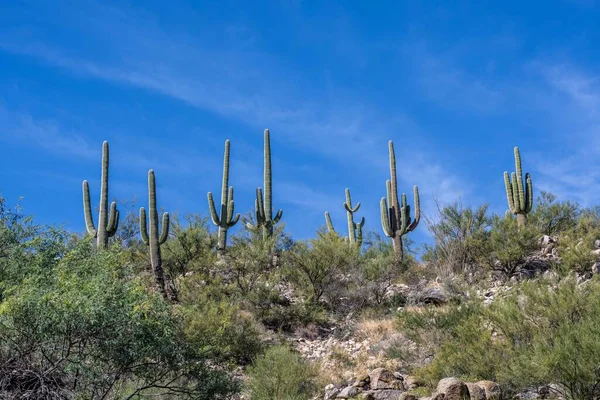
[354,229]
[395,216]
[107,221]
[151,238]
[519,193]
[264,206]
[226,220]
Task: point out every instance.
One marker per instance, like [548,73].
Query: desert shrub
[283,375]
[576,254]
[552,217]
[87,328]
[26,248]
[508,246]
[429,328]
[575,246]
[459,234]
[318,268]
[252,259]
[190,247]
[546,332]
[380,269]
[222,331]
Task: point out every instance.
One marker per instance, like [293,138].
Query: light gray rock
[348,392]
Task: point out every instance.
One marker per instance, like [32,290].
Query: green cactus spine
[227,219]
[151,238]
[395,216]
[264,206]
[519,193]
[107,221]
[354,229]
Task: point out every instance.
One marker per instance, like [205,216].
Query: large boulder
[476,392]
[433,295]
[349,392]
[492,390]
[386,394]
[382,378]
[453,389]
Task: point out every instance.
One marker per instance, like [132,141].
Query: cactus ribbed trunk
[151,238]
[264,205]
[268,176]
[521,219]
[519,192]
[395,215]
[107,221]
[349,215]
[226,219]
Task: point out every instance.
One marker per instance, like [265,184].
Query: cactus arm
[515,189]
[529,193]
[359,235]
[164,234]
[277,217]
[404,215]
[144,227]
[385,223]
[213,210]
[234,220]
[417,218]
[261,216]
[509,193]
[231,220]
[329,223]
[87,210]
[113,220]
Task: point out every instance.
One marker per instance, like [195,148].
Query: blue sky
[454,86]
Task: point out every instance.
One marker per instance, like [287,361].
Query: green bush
[508,246]
[459,233]
[84,327]
[381,269]
[281,374]
[553,217]
[222,331]
[318,268]
[542,332]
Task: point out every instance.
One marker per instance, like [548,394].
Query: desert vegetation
[137,309]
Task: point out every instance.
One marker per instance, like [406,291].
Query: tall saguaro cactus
[107,221]
[395,216]
[354,229]
[226,220]
[264,206]
[151,238]
[519,193]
